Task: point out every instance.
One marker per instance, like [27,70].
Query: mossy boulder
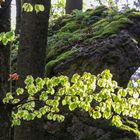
[99,31]
[92,41]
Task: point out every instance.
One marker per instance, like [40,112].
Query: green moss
[133,14]
[58,24]
[57,44]
[112,28]
[75,38]
[63,35]
[118,16]
[59,41]
[70,27]
[59,59]
[52,51]
[101,23]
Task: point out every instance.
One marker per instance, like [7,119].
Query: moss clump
[70,27]
[55,25]
[113,27]
[59,42]
[67,31]
[133,14]
[60,58]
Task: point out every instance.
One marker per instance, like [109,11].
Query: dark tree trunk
[18,16]
[33,41]
[5,122]
[4,50]
[72,5]
[31,59]
[4,72]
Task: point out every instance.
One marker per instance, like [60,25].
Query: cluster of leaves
[27,7]
[6,37]
[99,96]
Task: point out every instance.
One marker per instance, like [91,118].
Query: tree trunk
[18,16]
[4,72]
[72,5]
[31,59]
[33,41]
[5,122]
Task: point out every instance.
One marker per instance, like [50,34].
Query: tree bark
[5,122]
[31,59]
[72,5]
[18,16]
[33,42]
[4,50]
[4,72]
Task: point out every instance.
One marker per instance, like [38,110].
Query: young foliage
[39,8]
[27,7]
[6,37]
[99,96]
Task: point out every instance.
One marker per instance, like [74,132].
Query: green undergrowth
[84,28]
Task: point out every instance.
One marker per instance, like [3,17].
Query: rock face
[80,127]
[93,41]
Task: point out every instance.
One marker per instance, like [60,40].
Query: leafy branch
[99,96]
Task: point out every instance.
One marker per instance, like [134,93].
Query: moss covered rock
[81,32]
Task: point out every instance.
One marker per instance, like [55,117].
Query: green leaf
[72,106]
[122,92]
[16,122]
[29,80]
[43,96]
[15,101]
[27,7]
[75,78]
[10,35]
[55,109]
[64,102]
[39,8]
[43,110]
[39,115]
[4,41]
[50,116]
[19,91]
[116,120]
[107,114]
[60,118]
